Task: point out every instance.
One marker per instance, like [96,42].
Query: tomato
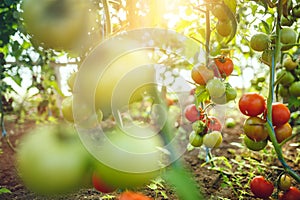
[118,149]
[255,129]
[261,187]
[284,182]
[259,42]
[286,77]
[230,94]
[219,12]
[291,194]
[195,139]
[225,65]
[253,145]
[58,25]
[280,114]
[289,64]
[288,37]
[294,89]
[283,91]
[67,108]
[224,28]
[199,127]
[51,160]
[192,114]
[282,132]
[201,74]
[129,195]
[286,21]
[213,123]
[212,139]
[230,122]
[252,104]
[100,185]
[215,88]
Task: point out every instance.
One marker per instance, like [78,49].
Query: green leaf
[293,102]
[4,190]
[233,21]
[183,183]
[201,94]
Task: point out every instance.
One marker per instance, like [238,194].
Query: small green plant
[157,185]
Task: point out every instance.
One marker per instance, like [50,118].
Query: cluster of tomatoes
[205,129]
[263,188]
[224,25]
[256,136]
[289,78]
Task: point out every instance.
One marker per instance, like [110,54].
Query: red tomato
[214,124]
[282,132]
[252,104]
[280,114]
[100,185]
[192,113]
[129,195]
[291,194]
[225,65]
[261,188]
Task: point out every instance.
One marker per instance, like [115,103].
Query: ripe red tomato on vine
[225,65]
[252,104]
[261,187]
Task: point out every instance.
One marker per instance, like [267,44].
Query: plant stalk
[108,27]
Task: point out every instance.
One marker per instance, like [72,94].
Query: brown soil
[210,181]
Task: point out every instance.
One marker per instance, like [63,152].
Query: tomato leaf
[201,94]
[293,103]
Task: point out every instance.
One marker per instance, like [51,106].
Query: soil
[211,182]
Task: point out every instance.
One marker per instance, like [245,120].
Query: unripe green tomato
[259,42]
[289,64]
[267,56]
[294,89]
[284,182]
[283,91]
[230,93]
[120,148]
[296,11]
[288,36]
[196,140]
[286,77]
[219,12]
[230,122]
[224,28]
[215,88]
[255,146]
[51,160]
[212,139]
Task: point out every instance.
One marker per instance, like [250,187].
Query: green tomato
[230,122]
[67,108]
[294,89]
[267,57]
[51,160]
[224,28]
[283,91]
[259,42]
[215,88]
[128,158]
[284,182]
[195,139]
[71,80]
[212,139]
[288,37]
[255,146]
[286,77]
[289,64]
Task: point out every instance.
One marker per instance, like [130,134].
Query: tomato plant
[261,187]
[252,104]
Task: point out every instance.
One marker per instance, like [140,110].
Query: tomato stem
[108,26]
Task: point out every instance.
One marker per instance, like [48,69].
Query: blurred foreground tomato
[51,160]
[100,185]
